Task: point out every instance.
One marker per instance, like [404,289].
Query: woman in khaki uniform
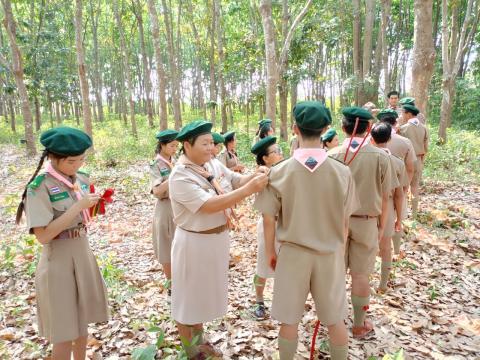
[268,153]
[373,175]
[330,139]
[229,156]
[218,141]
[163,226]
[69,287]
[200,249]
[265,129]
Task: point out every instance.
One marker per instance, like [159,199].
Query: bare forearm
[384,215]
[398,201]
[269,232]
[160,190]
[410,167]
[46,234]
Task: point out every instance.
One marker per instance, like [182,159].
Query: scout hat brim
[194,129]
[263,144]
[167,135]
[66,141]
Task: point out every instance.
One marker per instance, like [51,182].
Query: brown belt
[216,230]
[365,217]
[72,233]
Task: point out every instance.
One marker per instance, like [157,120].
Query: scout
[330,139]
[229,156]
[411,101]
[163,226]
[381,134]
[265,128]
[402,148]
[373,178]
[69,288]
[267,153]
[200,249]
[392,100]
[218,141]
[417,133]
[304,193]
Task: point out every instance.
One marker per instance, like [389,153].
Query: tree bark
[177,114]
[124,54]
[423,59]
[17,70]
[146,70]
[357,65]
[221,60]
[162,100]
[386,9]
[82,69]
[97,75]
[368,35]
[213,83]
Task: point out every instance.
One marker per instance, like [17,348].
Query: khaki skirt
[263,269]
[162,231]
[70,290]
[199,276]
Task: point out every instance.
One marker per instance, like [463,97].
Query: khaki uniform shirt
[311,207]
[402,148]
[159,172]
[226,159]
[189,191]
[418,135]
[49,198]
[373,176]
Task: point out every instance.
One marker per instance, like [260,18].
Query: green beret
[329,135]
[407,100]
[264,122]
[66,141]
[354,112]
[311,115]
[411,109]
[229,135]
[387,113]
[166,135]
[217,138]
[195,128]
[263,144]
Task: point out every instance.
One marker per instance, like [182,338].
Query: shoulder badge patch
[36,182]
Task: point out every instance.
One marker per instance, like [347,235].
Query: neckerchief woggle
[310,158]
[70,185]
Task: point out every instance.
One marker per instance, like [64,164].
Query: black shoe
[260,311]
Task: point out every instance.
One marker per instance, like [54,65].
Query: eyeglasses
[278,150]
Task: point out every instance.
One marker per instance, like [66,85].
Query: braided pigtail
[21,206]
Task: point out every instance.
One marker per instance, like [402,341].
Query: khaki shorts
[300,271]
[362,245]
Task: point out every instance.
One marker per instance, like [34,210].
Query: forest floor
[432,312]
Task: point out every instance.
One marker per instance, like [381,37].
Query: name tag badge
[59,196]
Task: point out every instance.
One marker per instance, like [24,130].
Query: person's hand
[398,225]
[271,259]
[257,183]
[88,201]
[262,170]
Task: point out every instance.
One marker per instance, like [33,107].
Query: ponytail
[21,206]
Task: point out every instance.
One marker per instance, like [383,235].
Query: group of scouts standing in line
[329,207]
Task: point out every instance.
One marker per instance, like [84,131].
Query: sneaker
[260,311]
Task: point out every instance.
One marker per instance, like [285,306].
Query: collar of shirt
[414,121]
[311,159]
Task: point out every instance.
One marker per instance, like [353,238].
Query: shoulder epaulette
[37,181]
[84,173]
[340,161]
[153,162]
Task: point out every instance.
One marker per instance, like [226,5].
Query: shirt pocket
[61,203]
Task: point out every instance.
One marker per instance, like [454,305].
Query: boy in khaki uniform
[373,176]
[417,133]
[313,197]
[381,134]
[402,148]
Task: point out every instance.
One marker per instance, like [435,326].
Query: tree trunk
[271,59]
[386,8]
[124,54]
[423,59]
[12,114]
[368,35]
[357,65]
[97,75]
[146,70]
[213,83]
[175,82]
[17,69]
[162,100]
[38,120]
[221,59]
[293,100]
[82,69]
